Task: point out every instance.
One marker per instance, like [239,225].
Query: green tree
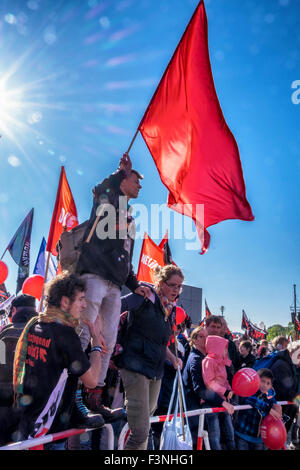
[279,330]
[275,330]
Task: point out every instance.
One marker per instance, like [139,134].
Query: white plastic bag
[172,434]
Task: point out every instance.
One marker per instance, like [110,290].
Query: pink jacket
[213,365]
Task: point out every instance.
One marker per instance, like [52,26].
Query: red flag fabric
[151,257]
[164,245]
[64,213]
[207,314]
[164,240]
[194,150]
[207,311]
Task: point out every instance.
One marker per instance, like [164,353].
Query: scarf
[167,305]
[50,315]
[54,314]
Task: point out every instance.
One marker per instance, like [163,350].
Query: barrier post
[200,432]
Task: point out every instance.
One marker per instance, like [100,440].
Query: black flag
[164,245]
[245,322]
[207,311]
[252,330]
[19,248]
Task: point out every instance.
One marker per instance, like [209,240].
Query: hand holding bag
[175,434]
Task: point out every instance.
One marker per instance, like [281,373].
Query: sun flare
[10,107]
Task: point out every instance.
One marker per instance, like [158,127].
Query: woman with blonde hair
[150,325]
[198,338]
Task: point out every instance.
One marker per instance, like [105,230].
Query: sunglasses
[173,286]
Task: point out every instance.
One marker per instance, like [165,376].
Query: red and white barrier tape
[40,441]
[202,411]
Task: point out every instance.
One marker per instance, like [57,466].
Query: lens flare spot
[14,161]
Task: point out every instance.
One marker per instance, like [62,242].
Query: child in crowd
[215,378]
[279,343]
[247,359]
[247,426]
[263,349]
[262,352]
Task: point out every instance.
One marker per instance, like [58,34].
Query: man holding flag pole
[105,264]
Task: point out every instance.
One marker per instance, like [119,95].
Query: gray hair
[293,346]
[294,350]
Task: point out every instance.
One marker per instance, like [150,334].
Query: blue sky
[79,76]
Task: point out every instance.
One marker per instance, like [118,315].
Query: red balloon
[180,315]
[33,285]
[245,382]
[273,433]
[3,272]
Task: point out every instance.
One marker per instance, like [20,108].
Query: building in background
[191,301]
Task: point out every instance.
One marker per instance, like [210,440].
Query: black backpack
[8,341]
[69,247]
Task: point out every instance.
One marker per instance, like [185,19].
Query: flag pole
[133,139]
[45,280]
[179,389]
[48,256]
[103,207]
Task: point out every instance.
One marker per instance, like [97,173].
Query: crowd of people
[208,375]
[92,357]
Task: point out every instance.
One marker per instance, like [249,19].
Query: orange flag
[151,257]
[64,214]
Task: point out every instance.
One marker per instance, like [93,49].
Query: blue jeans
[242,444]
[215,423]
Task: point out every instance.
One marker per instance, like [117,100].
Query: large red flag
[194,150]
[64,213]
[151,257]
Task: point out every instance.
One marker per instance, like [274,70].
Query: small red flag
[164,245]
[193,148]
[151,257]
[164,240]
[64,213]
[207,311]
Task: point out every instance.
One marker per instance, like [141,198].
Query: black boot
[84,418]
[93,399]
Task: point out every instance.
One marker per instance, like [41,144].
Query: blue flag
[40,265]
[19,248]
